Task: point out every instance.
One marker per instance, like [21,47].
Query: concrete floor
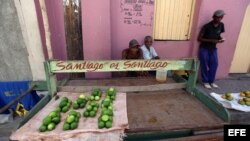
[234,83]
[7,128]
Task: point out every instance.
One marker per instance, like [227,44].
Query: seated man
[149,51]
[133,52]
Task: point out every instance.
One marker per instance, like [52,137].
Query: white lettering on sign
[236,132]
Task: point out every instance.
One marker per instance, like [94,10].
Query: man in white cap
[209,36]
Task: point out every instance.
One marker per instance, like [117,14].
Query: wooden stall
[155,110]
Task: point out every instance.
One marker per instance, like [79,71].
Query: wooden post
[192,79]
[46,28]
[51,79]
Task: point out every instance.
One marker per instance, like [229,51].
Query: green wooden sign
[119,65]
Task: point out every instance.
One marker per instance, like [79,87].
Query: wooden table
[167,109]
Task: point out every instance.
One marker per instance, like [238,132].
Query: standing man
[147,50]
[209,36]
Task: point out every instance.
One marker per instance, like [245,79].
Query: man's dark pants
[208,64]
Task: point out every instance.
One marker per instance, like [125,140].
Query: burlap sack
[87,128]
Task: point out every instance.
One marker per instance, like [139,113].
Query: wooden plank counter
[164,110]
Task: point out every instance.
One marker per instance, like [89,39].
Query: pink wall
[96,32]
[235,10]
[56,23]
[106,30]
[122,32]
[55,13]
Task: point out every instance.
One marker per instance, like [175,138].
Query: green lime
[111,89]
[56,120]
[78,115]
[79,101]
[70,119]
[58,109]
[52,114]
[247,103]
[47,120]
[82,96]
[63,104]
[92,113]
[68,104]
[110,107]
[75,105]
[112,97]
[94,93]
[106,103]
[105,118]
[86,114]
[65,109]
[66,126]
[76,119]
[93,103]
[95,109]
[73,125]
[92,97]
[100,124]
[74,113]
[51,126]
[104,109]
[97,98]
[105,112]
[89,108]
[110,118]
[108,124]
[110,112]
[110,93]
[42,128]
[64,99]
[82,105]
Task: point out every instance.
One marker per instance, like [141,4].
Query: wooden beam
[157,87]
[46,28]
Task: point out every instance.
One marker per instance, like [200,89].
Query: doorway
[73,32]
[241,60]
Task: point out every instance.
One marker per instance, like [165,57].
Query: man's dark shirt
[209,31]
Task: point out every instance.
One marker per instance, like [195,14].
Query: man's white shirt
[148,54]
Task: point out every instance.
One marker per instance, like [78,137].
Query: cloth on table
[87,128]
[231,104]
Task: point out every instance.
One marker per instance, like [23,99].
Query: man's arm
[124,54]
[202,39]
[155,55]
[140,54]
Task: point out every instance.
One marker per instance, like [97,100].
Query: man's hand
[217,41]
[221,40]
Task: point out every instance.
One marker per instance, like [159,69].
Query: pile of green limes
[106,118]
[96,94]
[72,120]
[50,121]
[80,102]
[91,109]
[64,105]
